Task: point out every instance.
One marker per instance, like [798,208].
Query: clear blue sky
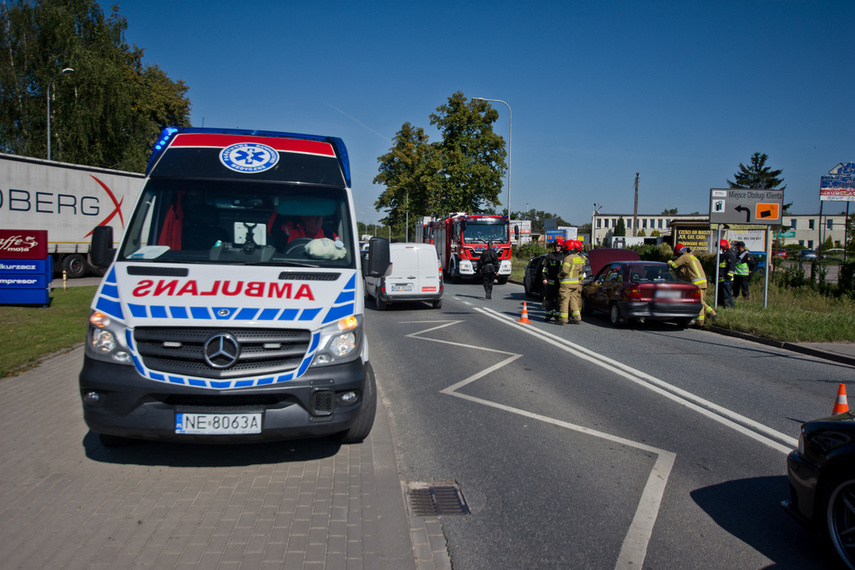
[680,92]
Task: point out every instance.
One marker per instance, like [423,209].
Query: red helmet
[679,248]
[724,245]
[568,245]
[579,245]
[559,242]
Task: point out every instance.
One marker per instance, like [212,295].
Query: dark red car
[630,289]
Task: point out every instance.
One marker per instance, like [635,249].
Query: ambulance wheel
[361,427]
[74,266]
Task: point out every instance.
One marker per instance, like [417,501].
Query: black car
[533,277]
[821,473]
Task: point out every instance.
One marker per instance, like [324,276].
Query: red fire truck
[460,238]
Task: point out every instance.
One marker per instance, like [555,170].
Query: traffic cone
[524,318]
[841,405]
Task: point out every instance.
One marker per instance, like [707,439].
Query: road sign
[746,206]
[839,186]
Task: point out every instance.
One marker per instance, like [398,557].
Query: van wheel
[74,266]
[437,304]
[380,303]
[361,427]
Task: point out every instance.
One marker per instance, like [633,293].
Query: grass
[29,333]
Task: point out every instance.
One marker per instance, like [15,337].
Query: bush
[529,250]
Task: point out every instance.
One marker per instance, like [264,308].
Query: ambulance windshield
[224,222]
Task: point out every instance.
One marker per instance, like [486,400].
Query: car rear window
[650,273]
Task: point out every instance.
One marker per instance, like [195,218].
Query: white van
[416,275]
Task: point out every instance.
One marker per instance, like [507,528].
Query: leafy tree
[669,212]
[410,173]
[538,219]
[471,155]
[757,175]
[620,228]
[107,113]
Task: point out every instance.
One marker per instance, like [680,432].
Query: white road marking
[634,547]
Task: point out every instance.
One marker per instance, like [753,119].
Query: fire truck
[461,238]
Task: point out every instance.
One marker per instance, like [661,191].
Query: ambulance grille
[182,351]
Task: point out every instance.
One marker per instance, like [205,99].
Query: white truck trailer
[67,200]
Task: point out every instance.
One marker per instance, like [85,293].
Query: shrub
[529,250]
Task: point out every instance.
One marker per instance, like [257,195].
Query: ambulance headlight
[340,342]
[105,339]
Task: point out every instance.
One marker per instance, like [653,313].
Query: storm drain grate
[428,500]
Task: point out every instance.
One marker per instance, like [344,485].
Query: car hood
[602,256]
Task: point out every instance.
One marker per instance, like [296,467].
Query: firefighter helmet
[724,245]
[579,245]
[558,242]
[679,248]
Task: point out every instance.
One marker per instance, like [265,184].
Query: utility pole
[635,209]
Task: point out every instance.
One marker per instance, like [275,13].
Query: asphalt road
[594,447]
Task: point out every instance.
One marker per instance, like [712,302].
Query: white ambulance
[233,307]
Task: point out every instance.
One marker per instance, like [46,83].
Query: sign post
[747,206]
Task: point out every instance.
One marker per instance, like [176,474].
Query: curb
[794,347]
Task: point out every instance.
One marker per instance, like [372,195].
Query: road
[594,447]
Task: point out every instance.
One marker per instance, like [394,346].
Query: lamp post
[510,139]
[66,70]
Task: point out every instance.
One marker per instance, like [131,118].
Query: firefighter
[570,285]
[742,269]
[689,269]
[552,265]
[726,269]
[488,265]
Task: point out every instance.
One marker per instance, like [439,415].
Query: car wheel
[380,303]
[614,316]
[839,508]
[527,288]
[74,266]
[437,304]
[361,427]
[684,322]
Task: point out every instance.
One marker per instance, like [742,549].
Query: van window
[227,222]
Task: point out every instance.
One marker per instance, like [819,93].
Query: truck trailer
[67,200]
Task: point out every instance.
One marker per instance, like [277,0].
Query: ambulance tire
[360,428]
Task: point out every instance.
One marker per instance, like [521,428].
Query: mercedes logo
[221,350]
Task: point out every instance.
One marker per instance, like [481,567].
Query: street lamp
[510,137]
[66,70]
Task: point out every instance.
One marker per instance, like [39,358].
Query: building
[806,230]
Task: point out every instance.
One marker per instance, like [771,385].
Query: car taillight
[634,293]
[697,295]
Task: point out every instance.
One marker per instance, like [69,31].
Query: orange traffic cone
[841,405]
[524,318]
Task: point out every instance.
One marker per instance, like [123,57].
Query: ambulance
[232,309]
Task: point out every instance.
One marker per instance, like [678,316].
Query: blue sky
[680,92]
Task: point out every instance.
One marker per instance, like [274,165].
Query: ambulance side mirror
[102,252]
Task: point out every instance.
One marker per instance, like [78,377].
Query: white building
[806,230]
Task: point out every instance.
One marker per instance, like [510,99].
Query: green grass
[29,333]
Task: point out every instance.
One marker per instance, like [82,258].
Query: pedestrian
[488,265]
[570,285]
[689,268]
[552,264]
[726,269]
[742,270]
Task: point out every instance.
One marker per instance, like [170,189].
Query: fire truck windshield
[484,232]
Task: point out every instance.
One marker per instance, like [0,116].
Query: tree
[757,175]
[538,218]
[471,156]
[620,227]
[669,212]
[410,172]
[107,113]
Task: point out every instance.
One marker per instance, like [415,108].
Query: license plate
[667,294]
[217,424]
[402,287]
